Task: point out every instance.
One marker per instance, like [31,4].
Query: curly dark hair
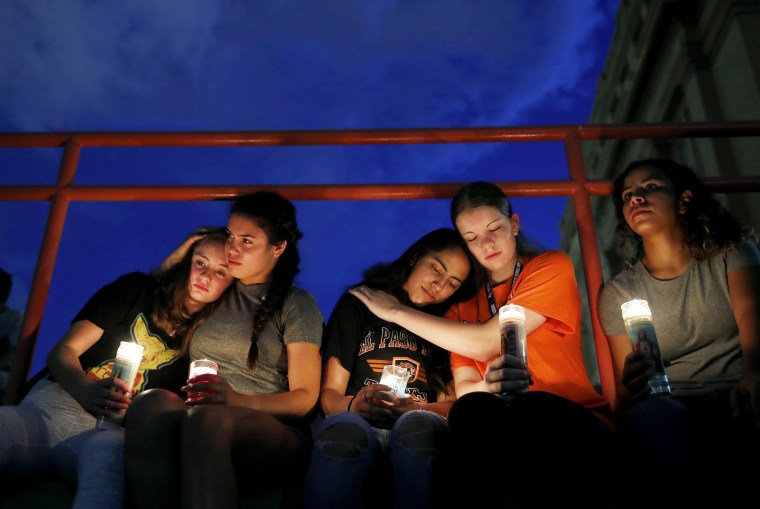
[487,194]
[391,277]
[709,228]
[277,217]
[169,312]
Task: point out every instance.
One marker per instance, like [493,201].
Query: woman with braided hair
[253,416]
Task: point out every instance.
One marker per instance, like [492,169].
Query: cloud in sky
[192,65]
[195,65]
[200,65]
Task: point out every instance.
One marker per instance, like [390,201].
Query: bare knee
[151,403]
[205,424]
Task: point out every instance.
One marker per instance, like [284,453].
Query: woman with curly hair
[699,269]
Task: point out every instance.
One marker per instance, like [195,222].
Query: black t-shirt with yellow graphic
[364,344]
[123,309]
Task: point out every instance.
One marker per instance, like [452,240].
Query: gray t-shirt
[693,319]
[226,337]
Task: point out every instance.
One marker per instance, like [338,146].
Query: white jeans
[49,431]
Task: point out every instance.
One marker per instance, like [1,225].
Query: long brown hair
[169,311]
[391,277]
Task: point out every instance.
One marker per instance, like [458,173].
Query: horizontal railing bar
[417,191]
[381,136]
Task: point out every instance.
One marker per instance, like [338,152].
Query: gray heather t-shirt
[692,317]
[226,337]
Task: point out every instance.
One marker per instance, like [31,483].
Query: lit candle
[125,367]
[395,377]
[638,323]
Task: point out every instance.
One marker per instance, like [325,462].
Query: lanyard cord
[489,290]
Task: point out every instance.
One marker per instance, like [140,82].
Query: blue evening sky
[194,65]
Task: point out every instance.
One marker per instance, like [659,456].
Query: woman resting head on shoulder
[498,395]
[265,336]
[363,416]
[54,428]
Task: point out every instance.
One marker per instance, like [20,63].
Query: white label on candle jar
[395,377]
[638,324]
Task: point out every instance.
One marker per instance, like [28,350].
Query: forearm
[64,365]
[744,289]
[749,337]
[293,404]
[439,407]
[334,402]
[475,341]
[468,387]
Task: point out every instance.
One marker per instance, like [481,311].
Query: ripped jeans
[354,464]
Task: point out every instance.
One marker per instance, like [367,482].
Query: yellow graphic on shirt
[155,355]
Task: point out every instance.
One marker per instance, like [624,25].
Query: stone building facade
[674,61]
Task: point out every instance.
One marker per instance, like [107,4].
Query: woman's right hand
[208,389]
[381,304]
[637,371]
[507,376]
[176,256]
[106,396]
[374,402]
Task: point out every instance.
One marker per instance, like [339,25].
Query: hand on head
[381,304]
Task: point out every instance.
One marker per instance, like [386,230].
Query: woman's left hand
[404,405]
[374,402]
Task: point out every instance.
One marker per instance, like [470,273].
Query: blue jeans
[349,454]
[694,440]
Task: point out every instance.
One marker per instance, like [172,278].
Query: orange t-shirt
[547,286]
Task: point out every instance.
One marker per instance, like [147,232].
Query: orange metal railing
[577,187]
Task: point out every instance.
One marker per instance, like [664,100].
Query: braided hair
[277,217]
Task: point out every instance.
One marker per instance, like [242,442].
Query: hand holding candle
[126,365]
[638,323]
[200,367]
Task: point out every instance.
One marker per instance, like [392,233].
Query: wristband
[348,409]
